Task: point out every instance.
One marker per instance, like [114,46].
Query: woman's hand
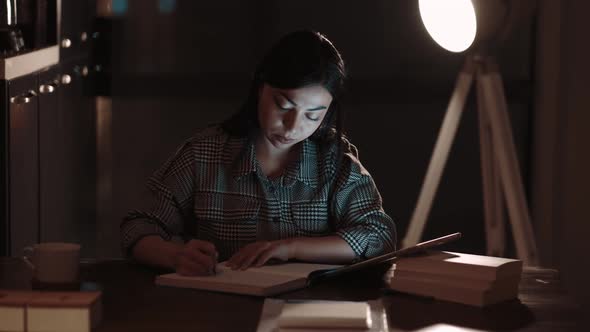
[196,257]
[258,253]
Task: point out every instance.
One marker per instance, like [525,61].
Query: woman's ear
[328,117]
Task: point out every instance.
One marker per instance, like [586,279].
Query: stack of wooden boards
[32,311]
[457,277]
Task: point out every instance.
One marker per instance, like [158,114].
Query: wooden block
[64,311]
[325,314]
[12,310]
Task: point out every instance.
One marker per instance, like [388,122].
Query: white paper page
[300,270]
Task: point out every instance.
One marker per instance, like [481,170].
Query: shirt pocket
[311,219]
[226,217]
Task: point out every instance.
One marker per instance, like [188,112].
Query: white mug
[53,262]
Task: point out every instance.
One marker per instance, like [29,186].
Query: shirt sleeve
[170,207]
[360,218]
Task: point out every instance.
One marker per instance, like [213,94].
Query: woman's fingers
[239,257]
[236,259]
[200,258]
[246,255]
[187,267]
[197,258]
[264,257]
[258,253]
[278,251]
[251,256]
[206,247]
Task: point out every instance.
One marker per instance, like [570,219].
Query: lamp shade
[451,23]
[459,25]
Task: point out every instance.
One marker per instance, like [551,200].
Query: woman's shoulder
[338,148]
[210,145]
[341,156]
[213,143]
[210,134]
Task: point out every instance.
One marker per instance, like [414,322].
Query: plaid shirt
[213,189]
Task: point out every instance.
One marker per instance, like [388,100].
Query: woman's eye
[281,106]
[313,118]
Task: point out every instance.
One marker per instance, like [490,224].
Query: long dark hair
[299,59]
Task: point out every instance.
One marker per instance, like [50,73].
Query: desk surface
[132,302]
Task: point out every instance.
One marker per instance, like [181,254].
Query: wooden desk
[133,303]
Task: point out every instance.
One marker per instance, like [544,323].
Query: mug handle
[28,253]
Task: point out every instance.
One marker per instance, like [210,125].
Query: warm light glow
[8,12]
[451,23]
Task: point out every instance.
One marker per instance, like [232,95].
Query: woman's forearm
[327,249]
[155,251]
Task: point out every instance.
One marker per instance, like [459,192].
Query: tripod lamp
[478,27]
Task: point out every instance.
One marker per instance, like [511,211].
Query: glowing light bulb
[451,23]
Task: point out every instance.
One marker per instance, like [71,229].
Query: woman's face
[289,116]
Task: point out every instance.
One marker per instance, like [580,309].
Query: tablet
[319,275]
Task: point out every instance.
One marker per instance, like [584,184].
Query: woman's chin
[282,146]
[281,143]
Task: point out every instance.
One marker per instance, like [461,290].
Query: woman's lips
[284,140]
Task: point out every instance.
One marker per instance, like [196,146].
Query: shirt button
[272,189]
[276,219]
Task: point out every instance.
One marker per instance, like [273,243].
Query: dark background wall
[561,181]
[175,72]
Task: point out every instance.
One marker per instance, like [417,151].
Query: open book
[270,280]
[267,280]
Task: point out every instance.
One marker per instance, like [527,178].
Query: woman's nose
[291,121]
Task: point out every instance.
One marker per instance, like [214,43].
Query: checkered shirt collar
[304,169]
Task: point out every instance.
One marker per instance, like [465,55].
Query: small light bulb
[451,23]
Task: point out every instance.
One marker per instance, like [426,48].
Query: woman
[277,181]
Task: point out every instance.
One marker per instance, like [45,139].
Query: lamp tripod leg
[440,154]
[507,161]
[492,191]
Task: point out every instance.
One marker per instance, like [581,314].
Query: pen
[215,263]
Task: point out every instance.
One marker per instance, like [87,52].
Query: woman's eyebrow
[289,100]
[293,103]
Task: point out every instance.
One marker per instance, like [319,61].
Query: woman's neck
[273,161]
